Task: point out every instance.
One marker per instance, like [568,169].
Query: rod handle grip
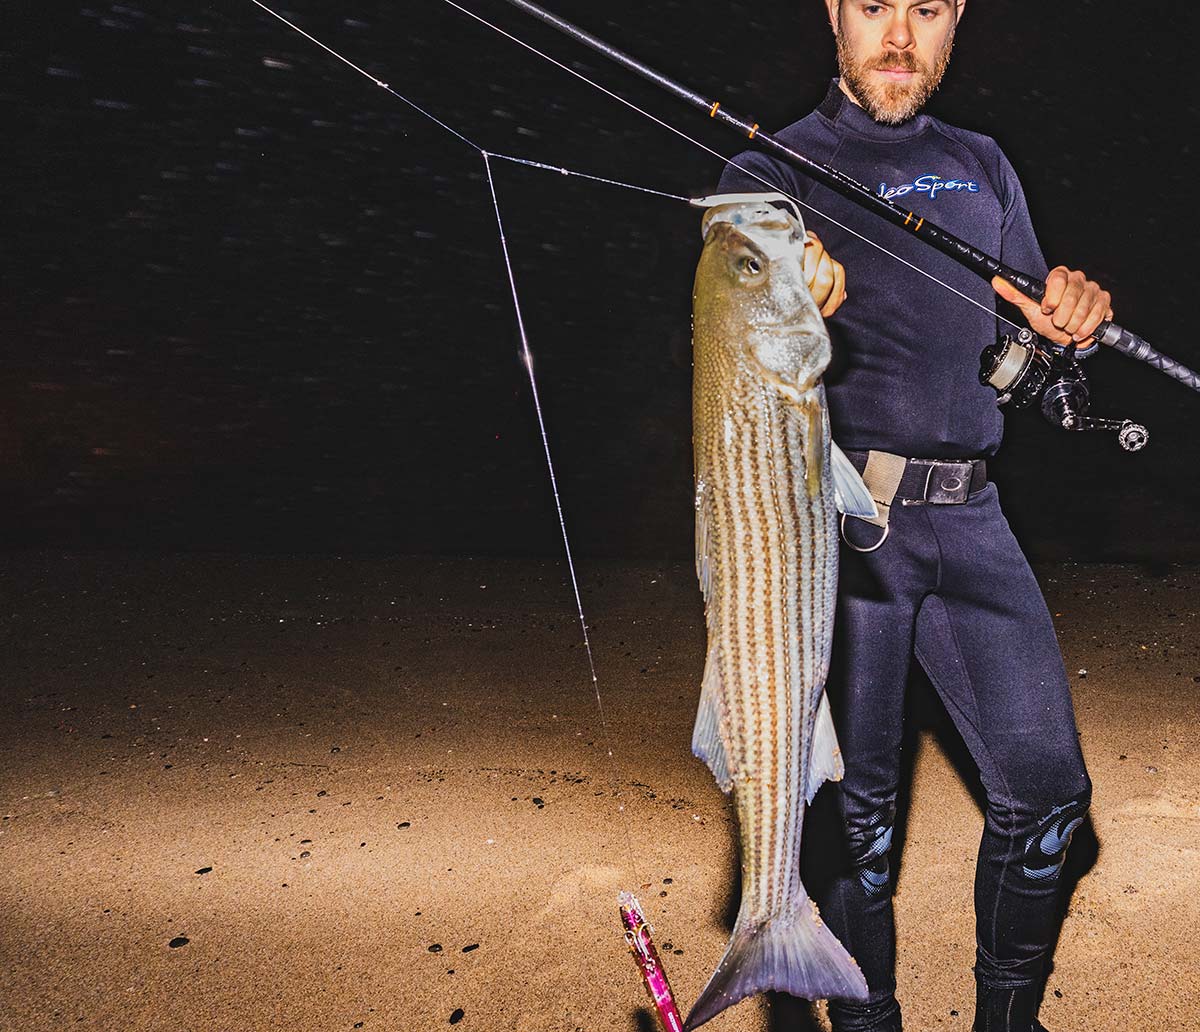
[1027,285]
[1129,343]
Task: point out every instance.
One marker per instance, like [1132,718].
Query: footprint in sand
[1160,807]
[583,887]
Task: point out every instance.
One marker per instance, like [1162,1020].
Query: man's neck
[846,90]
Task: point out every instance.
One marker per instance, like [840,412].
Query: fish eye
[751,265]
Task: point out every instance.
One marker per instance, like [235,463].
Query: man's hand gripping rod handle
[965,254]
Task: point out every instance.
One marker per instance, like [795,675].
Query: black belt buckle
[947,483]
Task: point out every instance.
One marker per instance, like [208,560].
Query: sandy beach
[253,793]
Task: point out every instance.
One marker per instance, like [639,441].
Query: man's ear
[959,7]
[832,7]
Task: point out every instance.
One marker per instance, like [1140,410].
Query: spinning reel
[1023,369]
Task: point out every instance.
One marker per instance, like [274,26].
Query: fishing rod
[967,255]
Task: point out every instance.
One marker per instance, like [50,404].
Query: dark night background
[253,303]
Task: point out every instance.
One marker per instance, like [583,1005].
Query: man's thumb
[1013,296]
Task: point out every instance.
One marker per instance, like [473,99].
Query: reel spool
[1022,372]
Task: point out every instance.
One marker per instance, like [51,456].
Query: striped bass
[766,555]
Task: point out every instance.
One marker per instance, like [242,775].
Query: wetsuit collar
[846,115]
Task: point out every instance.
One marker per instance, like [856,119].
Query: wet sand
[336,794]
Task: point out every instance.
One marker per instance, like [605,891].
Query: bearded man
[943,578]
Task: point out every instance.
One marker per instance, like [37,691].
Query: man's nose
[898,34]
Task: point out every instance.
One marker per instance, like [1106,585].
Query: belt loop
[882,476]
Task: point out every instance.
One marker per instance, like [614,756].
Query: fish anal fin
[793,953]
[707,743]
[825,762]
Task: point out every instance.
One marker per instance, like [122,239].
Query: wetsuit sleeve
[1019,247]
[736,178]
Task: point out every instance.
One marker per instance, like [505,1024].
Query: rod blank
[979,262]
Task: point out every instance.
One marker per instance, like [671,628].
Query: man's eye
[927,13]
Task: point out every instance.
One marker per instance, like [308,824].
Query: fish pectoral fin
[794,952]
[789,390]
[808,402]
[825,763]
[707,743]
[850,494]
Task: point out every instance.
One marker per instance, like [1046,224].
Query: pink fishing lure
[637,934]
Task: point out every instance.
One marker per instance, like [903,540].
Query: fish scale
[766,555]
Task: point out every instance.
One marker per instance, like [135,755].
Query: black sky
[251,302]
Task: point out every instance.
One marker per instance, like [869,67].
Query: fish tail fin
[793,953]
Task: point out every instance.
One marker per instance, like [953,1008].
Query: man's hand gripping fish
[767,476]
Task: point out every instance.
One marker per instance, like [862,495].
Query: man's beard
[892,102]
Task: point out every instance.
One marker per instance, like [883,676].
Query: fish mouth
[771,220]
[769,238]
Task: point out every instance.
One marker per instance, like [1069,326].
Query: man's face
[892,54]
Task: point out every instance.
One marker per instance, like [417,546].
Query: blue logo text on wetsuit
[931,184]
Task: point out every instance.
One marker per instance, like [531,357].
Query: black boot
[1006,1010]
[883,1016]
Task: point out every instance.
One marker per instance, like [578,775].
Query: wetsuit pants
[951,586]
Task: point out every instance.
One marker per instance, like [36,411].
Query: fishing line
[717,154]
[527,360]
[646,114]
[362,71]
[454,132]
[595,179]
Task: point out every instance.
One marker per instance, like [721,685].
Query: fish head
[751,288]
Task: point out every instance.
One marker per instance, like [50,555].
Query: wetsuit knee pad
[1046,846]
[869,843]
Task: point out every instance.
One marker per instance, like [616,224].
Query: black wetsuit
[950,584]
